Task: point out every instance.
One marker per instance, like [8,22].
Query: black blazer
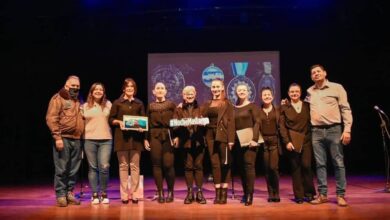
[225,132]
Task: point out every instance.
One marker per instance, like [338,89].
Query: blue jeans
[325,139]
[66,164]
[98,154]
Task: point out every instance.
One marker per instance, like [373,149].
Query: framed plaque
[133,122]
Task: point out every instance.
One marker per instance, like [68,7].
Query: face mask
[73,92]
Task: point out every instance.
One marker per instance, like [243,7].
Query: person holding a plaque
[66,125]
[296,135]
[128,144]
[160,143]
[191,138]
[220,134]
[269,128]
[98,141]
[247,126]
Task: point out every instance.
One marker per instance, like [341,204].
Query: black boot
[190,196]
[249,199]
[200,198]
[223,196]
[160,198]
[170,196]
[217,199]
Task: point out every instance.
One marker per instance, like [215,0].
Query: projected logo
[210,73]
[173,79]
[239,70]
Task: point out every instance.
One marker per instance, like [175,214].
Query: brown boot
[319,200]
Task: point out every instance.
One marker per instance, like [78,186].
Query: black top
[248,117]
[159,114]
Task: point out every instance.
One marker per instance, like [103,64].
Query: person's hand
[59,145]
[119,123]
[253,143]
[230,144]
[345,138]
[284,102]
[147,145]
[176,142]
[140,130]
[180,105]
[290,146]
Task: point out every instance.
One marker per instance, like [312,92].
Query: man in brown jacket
[66,124]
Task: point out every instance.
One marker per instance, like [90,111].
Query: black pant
[162,162]
[246,162]
[271,165]
[220,158]
[301,172]
[193,161]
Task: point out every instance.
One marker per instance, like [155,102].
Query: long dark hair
[90,99]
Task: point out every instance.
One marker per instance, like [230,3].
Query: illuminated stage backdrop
[176,70]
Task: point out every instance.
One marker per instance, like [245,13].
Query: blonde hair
[189,89]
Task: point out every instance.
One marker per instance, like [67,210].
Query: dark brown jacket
[299,122]
[225,124]
[190,134]
[64,117]
[126,139]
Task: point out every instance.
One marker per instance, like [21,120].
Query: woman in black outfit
[295,118]
[191,138]
[220,135]
[160,141]
[269,128]
[246,120]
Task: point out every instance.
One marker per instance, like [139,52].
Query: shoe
[200,198]
[249,199]
[169,197]
[270,200]
[341,201]
[217,199]
[134,201]
[223,196]
[72,200]
[190,196]
[276,200]
[95,199]
[299,201]
[125,201]
[160,196]
[319,200]
[104,198]
[62,202]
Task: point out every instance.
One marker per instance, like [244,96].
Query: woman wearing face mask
[191,138]
[160,144]
[128,143]
[269,128]
[220,134]
[98,141]
[246,116]
[295,128]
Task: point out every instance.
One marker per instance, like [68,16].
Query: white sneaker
[95,199]
[104,198]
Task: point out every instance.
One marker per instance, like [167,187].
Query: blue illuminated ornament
[210,73]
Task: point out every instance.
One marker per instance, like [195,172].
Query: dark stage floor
[365,194]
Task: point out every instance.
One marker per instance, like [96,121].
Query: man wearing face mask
[66,124]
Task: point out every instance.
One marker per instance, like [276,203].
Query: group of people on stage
[298,128]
